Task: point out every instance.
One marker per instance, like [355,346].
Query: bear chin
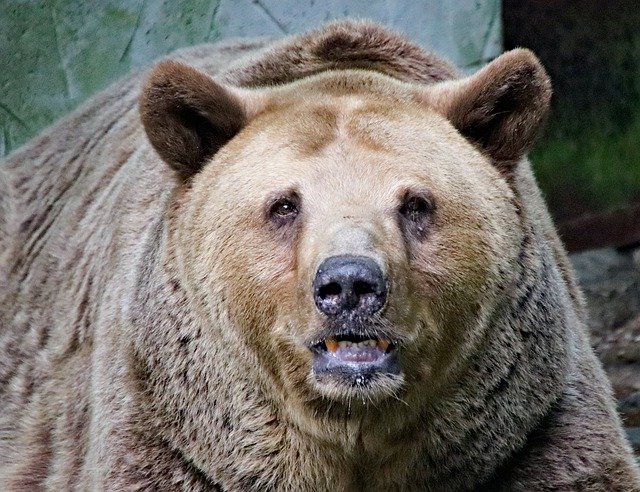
[370,381]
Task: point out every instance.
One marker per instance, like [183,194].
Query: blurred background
[56,53]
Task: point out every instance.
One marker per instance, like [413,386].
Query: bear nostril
[363,288]
[330,290]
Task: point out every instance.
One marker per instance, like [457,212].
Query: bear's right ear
[188,116]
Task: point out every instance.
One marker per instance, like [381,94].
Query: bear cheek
[241,267]
[449,275]
[262,287]
[263,291]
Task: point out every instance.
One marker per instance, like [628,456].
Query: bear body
[326,266]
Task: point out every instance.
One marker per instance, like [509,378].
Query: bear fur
[158,246]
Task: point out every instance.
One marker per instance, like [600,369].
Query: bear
[316,264]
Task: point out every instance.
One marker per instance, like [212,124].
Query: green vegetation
[596,167]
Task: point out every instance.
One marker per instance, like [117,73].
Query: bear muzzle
[355,347]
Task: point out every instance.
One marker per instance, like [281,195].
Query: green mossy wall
[55,54]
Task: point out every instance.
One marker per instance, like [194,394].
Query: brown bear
[326,266]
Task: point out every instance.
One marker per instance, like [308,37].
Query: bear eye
[284,209]
[416,214]
[415,208]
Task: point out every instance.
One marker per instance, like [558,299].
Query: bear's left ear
[188,116]
[501,108]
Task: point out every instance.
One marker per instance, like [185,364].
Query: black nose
[349,284]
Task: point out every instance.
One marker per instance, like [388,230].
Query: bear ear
[188,116]
[501,108]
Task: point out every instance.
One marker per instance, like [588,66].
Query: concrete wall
[56,53]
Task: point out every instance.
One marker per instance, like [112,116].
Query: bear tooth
[383,344]
[332,344]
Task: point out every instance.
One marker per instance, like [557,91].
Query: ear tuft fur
[187,115]
[500,109]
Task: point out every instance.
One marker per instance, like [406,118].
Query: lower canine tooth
[332,344]
[383,345]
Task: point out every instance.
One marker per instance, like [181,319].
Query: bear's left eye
[416,213]
[415,208]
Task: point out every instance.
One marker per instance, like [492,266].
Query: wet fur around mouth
[380,376]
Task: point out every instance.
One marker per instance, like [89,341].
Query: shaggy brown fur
[156,317]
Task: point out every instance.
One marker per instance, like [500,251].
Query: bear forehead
[315,111]
[361,108]
[357,131]
[316,122]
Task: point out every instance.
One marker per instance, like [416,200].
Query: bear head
[351,231]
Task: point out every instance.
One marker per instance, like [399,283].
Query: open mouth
[354,360]
[357,349]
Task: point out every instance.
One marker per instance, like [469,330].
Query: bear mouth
[356,349]
[354,360]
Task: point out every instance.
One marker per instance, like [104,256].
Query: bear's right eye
[284,209]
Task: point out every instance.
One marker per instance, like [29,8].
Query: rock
[634,437]
[630,405]
[610,280]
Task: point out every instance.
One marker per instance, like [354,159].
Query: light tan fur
[155,321]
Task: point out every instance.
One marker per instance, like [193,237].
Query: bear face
[353,229]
